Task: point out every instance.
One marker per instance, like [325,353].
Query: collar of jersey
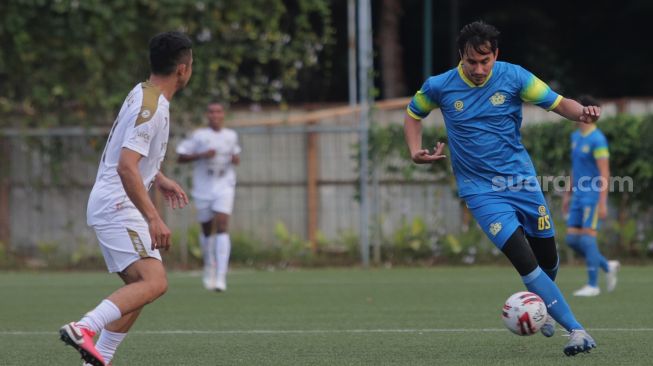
[587,133]
[149,84]
[469,82]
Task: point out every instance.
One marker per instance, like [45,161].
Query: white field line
[314,331]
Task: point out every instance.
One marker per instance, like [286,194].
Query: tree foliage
[68,61]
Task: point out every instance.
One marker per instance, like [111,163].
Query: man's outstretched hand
[424,156]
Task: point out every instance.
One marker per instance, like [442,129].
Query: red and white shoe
[81,338]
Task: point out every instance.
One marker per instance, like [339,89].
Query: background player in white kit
[127,224]
[214,150]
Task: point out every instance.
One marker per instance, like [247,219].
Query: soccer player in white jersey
[214,150]
[128,226]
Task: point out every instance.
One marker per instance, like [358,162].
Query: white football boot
[611,276]
[221,282]
[579,341]
[587,291]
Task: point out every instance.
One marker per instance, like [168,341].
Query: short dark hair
[215,101]
[587,100]
[167,50]
[476,35]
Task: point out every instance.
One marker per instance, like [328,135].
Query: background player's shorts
[500,213]
[223,203]
[124,243]
[584,215]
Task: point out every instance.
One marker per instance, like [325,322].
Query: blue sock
[573,240]
[553,272]
[593,258]
[538,282]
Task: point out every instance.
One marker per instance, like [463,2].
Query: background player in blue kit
[481,103]
[590,174]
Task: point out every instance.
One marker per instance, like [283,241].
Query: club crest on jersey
[498,99]
[458,105]
[145,113]
[585,148]
[495,228]
[541,210]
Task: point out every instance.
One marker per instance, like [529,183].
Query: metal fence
[298,172]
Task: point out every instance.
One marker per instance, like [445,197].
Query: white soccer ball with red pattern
[524,313]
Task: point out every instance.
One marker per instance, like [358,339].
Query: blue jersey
[483,123]
[586,149]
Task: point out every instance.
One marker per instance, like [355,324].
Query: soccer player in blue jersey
[590,174]
[481,101]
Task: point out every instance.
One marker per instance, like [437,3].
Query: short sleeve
[424,101]
[600,148]
[187,146]
[535,91]
[139,137]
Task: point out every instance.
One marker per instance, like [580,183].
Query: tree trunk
[392,67]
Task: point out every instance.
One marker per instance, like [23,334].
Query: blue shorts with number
[584,214]
[500,213]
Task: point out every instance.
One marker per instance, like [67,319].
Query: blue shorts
[500,213]
[584,215]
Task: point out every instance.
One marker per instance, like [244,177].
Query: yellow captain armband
[601,153]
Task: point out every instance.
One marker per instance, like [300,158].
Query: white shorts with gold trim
[123,243]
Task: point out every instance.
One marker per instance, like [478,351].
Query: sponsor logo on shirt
[585,148]
[144,135]
[541,210]
[498,99]
[495,228]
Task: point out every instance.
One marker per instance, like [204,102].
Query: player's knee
[520,253]
[157,288]
[222,224]
[545,250]
[574,231]
[588,231]
[223,228]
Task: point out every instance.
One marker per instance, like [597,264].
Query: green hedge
[625,233]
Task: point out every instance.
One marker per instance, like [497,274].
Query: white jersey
[212,175]
[142,126]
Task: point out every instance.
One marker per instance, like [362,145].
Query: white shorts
[223,203]
[124,243]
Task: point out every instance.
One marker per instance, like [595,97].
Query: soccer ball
[524,313]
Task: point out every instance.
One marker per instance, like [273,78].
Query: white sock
[202,242]
[108,343]
[223,250]
[206,250]
[102,315]
[210,257]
